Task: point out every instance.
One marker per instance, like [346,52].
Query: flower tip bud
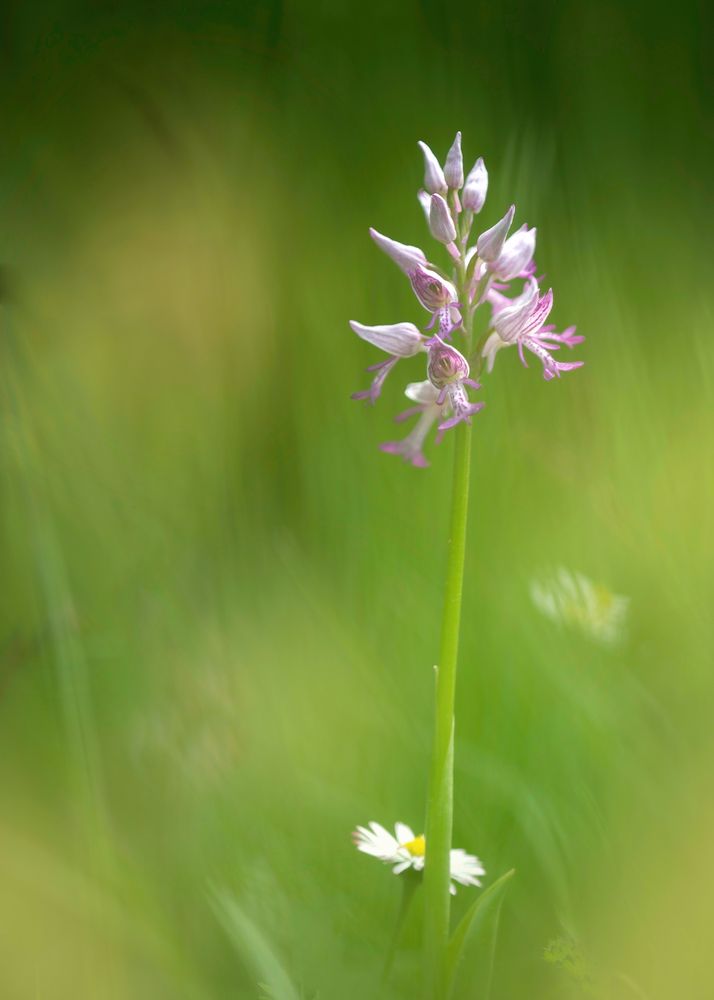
[490,244]
[474,194]
[440,221]
[454,166]
[434,180]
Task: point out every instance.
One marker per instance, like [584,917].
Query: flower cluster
[403,850]
[483,274]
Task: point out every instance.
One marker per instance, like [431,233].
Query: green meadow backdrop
[220,602]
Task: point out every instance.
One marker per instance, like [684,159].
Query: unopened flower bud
[434,180]
[433,291]
[474,193]
[404,256]
[402,339]
[440,221]
[446,365]
[490,244]
[424,199]
[516,255]
[454,166]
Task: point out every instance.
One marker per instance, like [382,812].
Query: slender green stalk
[440,803]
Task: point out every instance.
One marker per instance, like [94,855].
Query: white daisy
[404,850]
[570,598]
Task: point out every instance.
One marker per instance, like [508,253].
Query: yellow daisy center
[416,847]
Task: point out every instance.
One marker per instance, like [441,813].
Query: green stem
[440,804]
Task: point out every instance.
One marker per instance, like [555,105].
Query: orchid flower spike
[496,270]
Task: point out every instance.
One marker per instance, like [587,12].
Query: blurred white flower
[569,598]
[405,850]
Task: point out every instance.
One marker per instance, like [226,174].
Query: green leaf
[467,926]
[253,947]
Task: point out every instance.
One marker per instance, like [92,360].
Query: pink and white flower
[482,274]
[521,322]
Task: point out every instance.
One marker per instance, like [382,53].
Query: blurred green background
[220,601]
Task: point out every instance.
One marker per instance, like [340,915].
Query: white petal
[490,243]
[404,256]
[516,255]
[402,339]
[404,833]
[422,392]
[474,193]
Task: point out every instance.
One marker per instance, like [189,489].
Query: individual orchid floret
[399,340]
[434,180]
[429,410]
[522,323]
[405,851]
[440,221]
[516,256]
[405,257]
[438,296]
[454,166]
[448,371]
[473,196]
[490,244]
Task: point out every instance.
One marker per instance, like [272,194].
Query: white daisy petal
[404,833]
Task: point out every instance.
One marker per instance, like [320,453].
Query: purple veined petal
[408,414]
[411,447]
[537,316]
[462,408]
[551,367]
[509,320]
[516,255]
[471,383]
[490,243]
[404,256]
[567,337]
[445,364]
[434,180]
[372,394]
[433,291]
[402,339]
[454,165]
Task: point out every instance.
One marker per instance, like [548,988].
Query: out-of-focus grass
[221,602]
